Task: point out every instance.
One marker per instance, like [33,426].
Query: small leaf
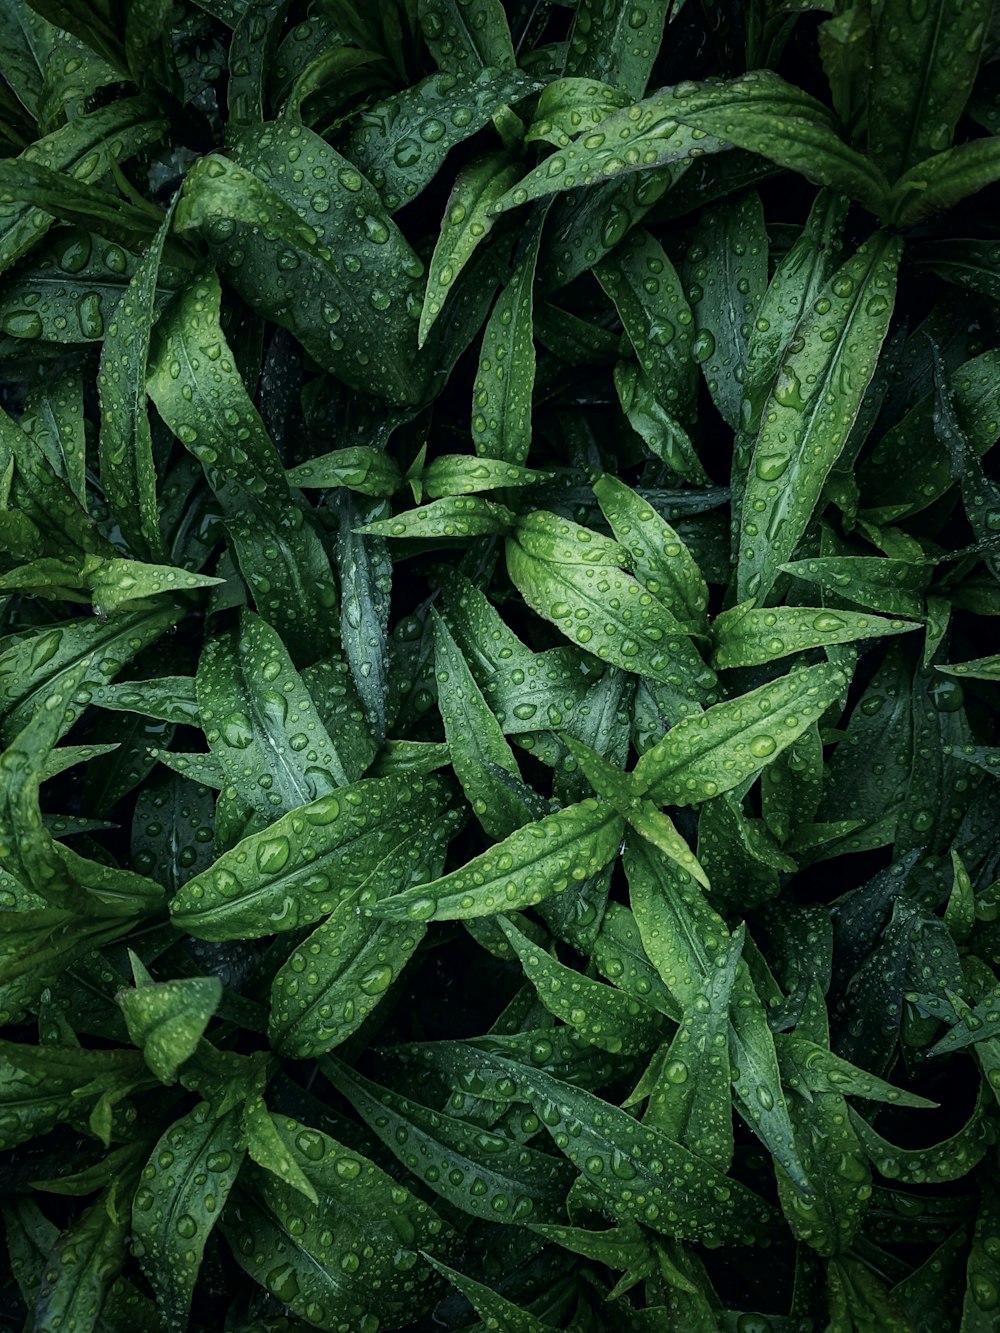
[540,859]
[166,1020]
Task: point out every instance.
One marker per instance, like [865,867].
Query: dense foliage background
[499,553]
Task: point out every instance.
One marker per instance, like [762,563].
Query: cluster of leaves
[497,554]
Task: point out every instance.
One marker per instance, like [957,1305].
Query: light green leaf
[399,144]
[602,1015]
[454,516]
[660,560]
[715,751]
[177,1204]
[923,65]
[617,42]
[501,394]
[518,1183]
[748,636]
[358,467]
[817,395]
[353,321]
[298,869]
[166,1020]
[340,973]
[261,723]
[465,36]
[475,740]
[468,219]
[534,862]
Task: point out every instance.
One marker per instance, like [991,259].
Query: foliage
[499,539]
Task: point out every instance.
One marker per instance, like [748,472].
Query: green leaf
[745,636]
[535,861]
[126,447]
[713,752]
[600,606]
[464,38]
[501,394]
[660,560]
[516,1183]
[467,221]
[459,474]
[493,1309]
[167,1019]
[948,1160]
[475,740]
[617,42]
[817,395]
[268,1148]
[453,516]
[304,1253]
[358,467]
[567,107]
[182,1191]
[637,138]
[400,143]
[261,723]
[81,150]
[689,1096]
[602,1015]
[924,62]
[340,973]
[727,266]
[651,303]
[83,1263]
[944,181]
[300,867]
[352,326]
[894,587]
[638,1172]
[365,585]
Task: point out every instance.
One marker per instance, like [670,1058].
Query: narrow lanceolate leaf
[494,1310]
[475,740]
[715,751]
[467,220]
[452,516]
[617,42]
[400,143]
[82,150]
[600,606]
[658,321]
[645,136]
[637,1171]
[358,467]
[181,1193]
[261,723]
[817,395]
[514,1183]
[365,585]
[340,973]
[602,1015]
[894,587]
[924,63]
[762,113]
[355,1252]
[727,270]
[83,1264]
[944,180]
[689,1098]
[465,36]
[501,395]
[198,391]
[128,474]
[351,318]
[660,560]
[299,868]
[745,636]
[536,861]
